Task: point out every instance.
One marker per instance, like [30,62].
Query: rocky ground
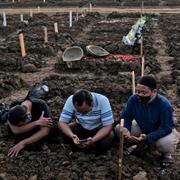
[109,76]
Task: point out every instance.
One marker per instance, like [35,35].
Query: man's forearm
[22,129]
[65,129]
[155,135]
[44,131]
[103,132]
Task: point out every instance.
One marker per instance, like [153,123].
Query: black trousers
[100,146]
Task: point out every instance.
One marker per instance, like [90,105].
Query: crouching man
[94,119]
[153,119]
[30,121]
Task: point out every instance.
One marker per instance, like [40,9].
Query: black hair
[81,96]
[148,81]
[17,114]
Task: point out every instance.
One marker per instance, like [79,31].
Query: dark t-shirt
[38,105]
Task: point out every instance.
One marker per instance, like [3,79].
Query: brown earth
[111,77]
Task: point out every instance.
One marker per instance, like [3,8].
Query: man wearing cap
[153,119]
[29,121]
[94,119]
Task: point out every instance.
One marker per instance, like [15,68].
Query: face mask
[145,99]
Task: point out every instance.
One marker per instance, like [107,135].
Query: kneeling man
[94,119]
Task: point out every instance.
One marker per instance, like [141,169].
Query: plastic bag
[135,33]
[38,91]
[4,111]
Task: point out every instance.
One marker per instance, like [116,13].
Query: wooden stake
[141,47]
[30,13]
[21,40]
[56,27]
[133,82]
[45,35]
[142,66]
[77,13]
[121,149]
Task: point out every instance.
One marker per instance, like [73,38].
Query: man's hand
[139,139]
[143,137]
[43,121]
[75,139]
[87,143]
[133,139]
[126,133]
[14,151]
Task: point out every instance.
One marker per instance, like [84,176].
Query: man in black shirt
[33,118]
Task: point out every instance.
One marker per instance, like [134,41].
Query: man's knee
[106,142]
[117,130]
[135,130]
[167,144]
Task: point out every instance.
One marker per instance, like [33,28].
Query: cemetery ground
[109,75]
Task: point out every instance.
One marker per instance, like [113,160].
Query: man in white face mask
[149,119]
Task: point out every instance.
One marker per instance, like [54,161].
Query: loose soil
[109,76]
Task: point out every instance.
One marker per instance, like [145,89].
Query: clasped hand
[133,139]
[44,121]
[85,144]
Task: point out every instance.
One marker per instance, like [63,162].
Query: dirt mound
[8,83]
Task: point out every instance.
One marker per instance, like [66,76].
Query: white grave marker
[70,19]
[4,19]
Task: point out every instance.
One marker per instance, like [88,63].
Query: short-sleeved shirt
[100,115]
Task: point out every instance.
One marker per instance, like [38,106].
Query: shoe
[4,113]
[137,149]
[167,161]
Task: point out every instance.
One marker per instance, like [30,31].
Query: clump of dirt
[172,39]
[8,83]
